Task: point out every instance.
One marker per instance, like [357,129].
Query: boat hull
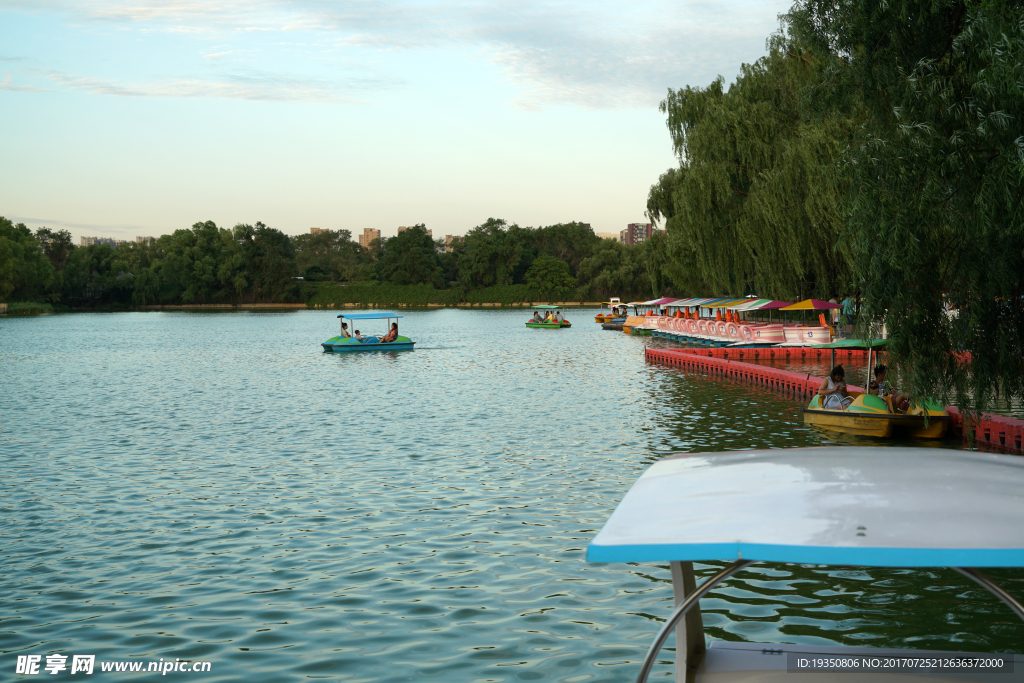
[350,345]
[869,416]
[551,326]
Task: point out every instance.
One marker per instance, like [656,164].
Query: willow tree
[937,181]
[756,203]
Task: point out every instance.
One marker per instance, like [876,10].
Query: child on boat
[881,388]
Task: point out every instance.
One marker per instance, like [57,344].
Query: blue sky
[125,118]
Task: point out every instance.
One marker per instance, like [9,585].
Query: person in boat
[537,318]
[359,337]
[549,318]
[558,317]
[881,388]
[833,390]
[391,336]
[344,331]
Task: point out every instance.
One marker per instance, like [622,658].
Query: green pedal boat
[548,313]
[343,342]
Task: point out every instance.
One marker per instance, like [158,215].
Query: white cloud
[241,85]
[595,54]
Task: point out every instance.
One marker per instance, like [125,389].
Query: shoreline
[293,306]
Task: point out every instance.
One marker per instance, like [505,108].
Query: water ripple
[214,487]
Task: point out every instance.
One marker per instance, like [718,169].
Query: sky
[126,118]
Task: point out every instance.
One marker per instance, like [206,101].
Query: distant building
[109,241]
[448,240]
[636,233]
[368,236]
[145,240]
[403,228]
[315,231]
[608,235]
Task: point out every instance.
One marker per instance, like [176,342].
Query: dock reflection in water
[215,487]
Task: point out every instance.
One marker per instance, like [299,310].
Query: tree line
[876,150]
[259,264]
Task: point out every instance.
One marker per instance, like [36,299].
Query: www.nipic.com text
[87,664]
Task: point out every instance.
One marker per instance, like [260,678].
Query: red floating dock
[785,352]
[993,430]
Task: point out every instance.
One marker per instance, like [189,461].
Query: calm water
[212,486]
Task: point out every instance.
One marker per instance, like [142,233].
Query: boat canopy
[548,307]
[853,344]
[660,302]
[713,303]
[748,305]
[369,316]
[679,303]
[773,304]
[811,305]
[848,505]
[722,303]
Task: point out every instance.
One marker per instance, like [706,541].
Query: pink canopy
[774,304]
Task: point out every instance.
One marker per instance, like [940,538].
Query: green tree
[936,178]
[614,270]
[569,242]
[756,202]
[489,254]
[551,277]
[25,272]
[332,255]
[410,258]
[57,245]
[267,263]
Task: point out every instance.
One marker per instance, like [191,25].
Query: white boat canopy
[682,303]
[748,305]
[866,506]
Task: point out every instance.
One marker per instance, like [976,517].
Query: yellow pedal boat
[870,415]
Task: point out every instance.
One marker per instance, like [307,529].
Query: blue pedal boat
[861,506]
[369,343]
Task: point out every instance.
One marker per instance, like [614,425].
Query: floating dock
[997,431]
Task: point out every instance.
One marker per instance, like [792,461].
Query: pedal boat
[342,343]
[870,415]
[609,315]
[845,506]
[552,325]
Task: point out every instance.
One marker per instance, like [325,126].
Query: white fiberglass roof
[870,506]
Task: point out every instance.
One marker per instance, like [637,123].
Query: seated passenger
[391,336]
[881,388]
[359,337]
[558,317]
[833,390]
[344,331]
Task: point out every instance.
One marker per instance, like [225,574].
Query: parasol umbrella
[772,305]
[811,305]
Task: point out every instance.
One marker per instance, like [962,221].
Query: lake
[213,486]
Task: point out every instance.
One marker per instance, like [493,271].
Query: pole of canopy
[870,349]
